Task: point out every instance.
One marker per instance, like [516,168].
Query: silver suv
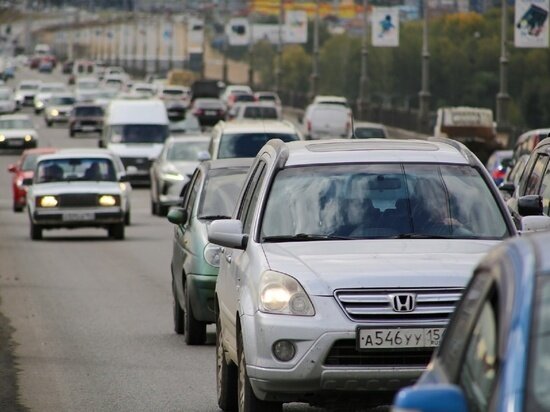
[342,264]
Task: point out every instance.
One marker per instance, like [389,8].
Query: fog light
[28,138]
[284,350]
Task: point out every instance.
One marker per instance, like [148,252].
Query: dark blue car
[495,355]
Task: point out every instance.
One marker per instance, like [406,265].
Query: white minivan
[135,130]
[327,121]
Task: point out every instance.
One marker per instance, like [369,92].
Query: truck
[472,126]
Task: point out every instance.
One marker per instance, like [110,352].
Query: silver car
[173,168]
[76,188]
[58,108]
[342,265]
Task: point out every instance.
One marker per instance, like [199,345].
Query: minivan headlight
[47,201]
[212,254]
[282,294]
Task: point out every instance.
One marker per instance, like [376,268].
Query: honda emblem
[403,302]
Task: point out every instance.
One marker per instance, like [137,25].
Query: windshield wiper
[214,217]
[301,237]
[418,236]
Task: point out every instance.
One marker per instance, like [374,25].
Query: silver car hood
[148,150]
[18,132]
[323,266]
[57,188]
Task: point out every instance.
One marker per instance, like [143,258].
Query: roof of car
[374,150]
[227,163]
[15,117]
[257,126]
[188,138]
[79,152]
[40,150]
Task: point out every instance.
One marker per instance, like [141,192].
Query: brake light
[197,112]
[309,125]
[499,174]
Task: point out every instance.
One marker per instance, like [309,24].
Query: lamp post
[362,104]
[225,43]
[279,68]
[315,69]
[250,55]
[503,97]
[424,94]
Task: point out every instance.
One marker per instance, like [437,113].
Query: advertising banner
[385,26]
[195,31]
[531,23]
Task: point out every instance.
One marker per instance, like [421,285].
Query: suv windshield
[382,201]
[16,124]
[221,192]
[248,144]
[186,150]
[61,101]
[139,133]
[76,169]
[88,111]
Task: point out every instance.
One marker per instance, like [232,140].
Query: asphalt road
[91,316]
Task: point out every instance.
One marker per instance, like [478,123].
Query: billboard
[531,23]
[385,26]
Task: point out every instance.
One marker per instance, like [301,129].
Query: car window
[243,208]
[534,180]
[249,217]
[248,144]
[545,190]
[369,133]
[221,192]
[525,175]
[366,201]
[186,151]
[75,169]
[479,367]
[259,112]
[191,193]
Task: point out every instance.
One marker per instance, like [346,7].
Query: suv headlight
[282,294]
[212,254]
[47,201]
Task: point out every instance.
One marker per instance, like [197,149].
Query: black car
[209,111]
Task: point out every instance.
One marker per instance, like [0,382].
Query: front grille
[344,353]
[78,200]
[88,122]
[142,163]
[29,99]
[432,305]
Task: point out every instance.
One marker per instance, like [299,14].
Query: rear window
[260,113]
[172,92]
[244,98]
[88,111]
[266,98]
[248,144]
[369,133]
[139,133]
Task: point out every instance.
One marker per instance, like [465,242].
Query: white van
[135,130]
[327,121]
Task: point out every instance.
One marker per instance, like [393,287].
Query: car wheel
[71,133]
[162,210]
[17,208]
[248,402]
[195,331]
[116,231]
[36,111]
[178,313]
[226,375]
[49,123]
[153,207]
[36,231]
[127,218]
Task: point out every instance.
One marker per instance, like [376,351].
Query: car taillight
[309,125]
[499,174]
[197,112]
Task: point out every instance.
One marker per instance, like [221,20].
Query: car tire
[248,402]
[127,218]
[195,330]
[37,112]
[153,207]
[71,133]
[226,375]
[179,317]
[36,231]
[162,210]
[116,231]
[49,123]
[17,208]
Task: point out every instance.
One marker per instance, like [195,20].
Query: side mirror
[177,216]
[508,188]
[123,178]
[203,156]
[12,168]
[430,398]
[227,233]
[530,205]
[530,224]
[100,144]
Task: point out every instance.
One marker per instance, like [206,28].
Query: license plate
[396,338]
[78,217]
[211,113]
[88,128]
[15,143]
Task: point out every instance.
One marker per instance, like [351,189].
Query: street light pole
[424,94]
[250,54]
[362,104]
[315,69]
[225,42]
[279,69]
[503,97]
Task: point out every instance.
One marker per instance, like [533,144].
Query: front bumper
[312,372]
[201,292]
[60,118]
[17,143]
[59,218]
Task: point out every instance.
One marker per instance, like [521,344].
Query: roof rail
[464,151]
[281,152]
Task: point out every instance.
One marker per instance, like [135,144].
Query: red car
[23,172]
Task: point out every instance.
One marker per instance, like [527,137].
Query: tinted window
[244,98]
[29,163]
[192,193]
[221,193]
[383,201]
[534,180]
[139,133]
[186,150]
[260,113]
[369,133]
[247,223]
[62,101]
[16,124]
[77,169]
[248,144]
[89,111]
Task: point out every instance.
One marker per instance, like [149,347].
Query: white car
[76,188]
[115,81]
[7,100]
[368,130]
[86,88]
[234,88]
[176,99]
[339,100]
[25,92]
[254,111]
[144,90]
[342,264]
[17,131]
[58,108]
[327,121]
[45,92]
